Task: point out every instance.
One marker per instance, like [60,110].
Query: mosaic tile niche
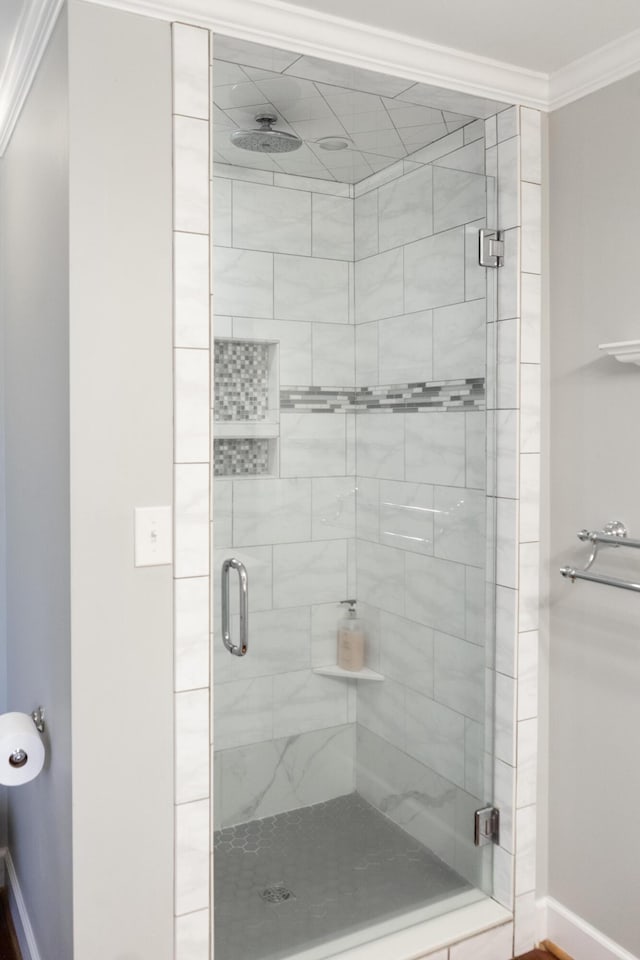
[245,395]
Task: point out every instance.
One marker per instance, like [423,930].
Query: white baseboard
[21,922]
[573,934]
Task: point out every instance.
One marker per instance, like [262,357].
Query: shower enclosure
[353,368]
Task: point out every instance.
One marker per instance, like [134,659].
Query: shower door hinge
[490,248]
[486,826]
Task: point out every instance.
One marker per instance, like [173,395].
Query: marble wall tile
[405,209]
[476,442]
[324,627]
[503,877]
[505,713]
[505,463]
[491,131]
[191,290]
[381,709]
[458,197]
[295,182]
[192,936]
[508,380]
[242,283]
[459,525]
[407,792]
[435,736]
[304,701]
[294,345]
[434,271]
[493,944]
[509,276]
[509,183]
[405,345]
[271,511]
[190,49]
[366,225]
[406,652]
[506,543]
[307,288]
[190,175]
[473,864]
[474,131]
[307,573]
[309,440]
[469,158]
[459,676]
[406,515]
[474,757]
[379,286]
[192,857]
[222,530]
[243,712]
[366,337]
[333,508]
[506,606]
[531,145]
[531,253]
[280,642]
[191,617]
[433,592]
[530,408]
[191,523]
[439,148]
[525,917]
[527,743]
[192,745]
[531,318]
[529,497]
[528,598]
[271,218]
[459,347]
[264,779]
[380,576]
[191,406]
[435,448]
[508,124]
[232,172]
[525,850]
[380,445]
[367,509]
[528,675]
[478,601]
[333,227]
[333,354]
[221,212]
[504,798]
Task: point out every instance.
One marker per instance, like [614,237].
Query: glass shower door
[352,373]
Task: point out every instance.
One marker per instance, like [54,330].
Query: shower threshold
[318,880]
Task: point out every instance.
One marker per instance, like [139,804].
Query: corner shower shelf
[626,351]
[335,671]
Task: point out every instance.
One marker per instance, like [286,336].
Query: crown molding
[317,34]
[34,28]
[614,61]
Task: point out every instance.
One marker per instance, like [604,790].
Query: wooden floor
[9,949]
[535,955]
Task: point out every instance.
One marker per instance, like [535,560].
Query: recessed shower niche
[245,408]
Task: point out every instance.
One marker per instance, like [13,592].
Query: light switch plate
[153,546]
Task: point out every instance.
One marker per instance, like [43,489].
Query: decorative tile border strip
[440,395]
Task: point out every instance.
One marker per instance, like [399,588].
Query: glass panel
[354,361]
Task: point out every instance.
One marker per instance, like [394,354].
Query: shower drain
[276,894]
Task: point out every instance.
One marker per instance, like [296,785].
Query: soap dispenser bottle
[350,639]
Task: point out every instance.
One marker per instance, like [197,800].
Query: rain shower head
[266,140]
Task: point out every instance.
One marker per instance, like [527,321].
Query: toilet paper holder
[37,716]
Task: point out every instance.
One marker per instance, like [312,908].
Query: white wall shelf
[626,351]
[335,671]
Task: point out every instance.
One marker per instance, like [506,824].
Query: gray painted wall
[594,719]
[121,456]
[35,284]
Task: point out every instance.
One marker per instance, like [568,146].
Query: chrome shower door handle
[237,649]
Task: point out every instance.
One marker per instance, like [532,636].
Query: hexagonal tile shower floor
[299,879]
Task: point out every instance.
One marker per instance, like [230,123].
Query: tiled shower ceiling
[383,118]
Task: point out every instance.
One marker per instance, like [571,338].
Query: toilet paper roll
[21,749]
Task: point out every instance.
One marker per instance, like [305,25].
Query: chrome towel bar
[614,534]
[237,649]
